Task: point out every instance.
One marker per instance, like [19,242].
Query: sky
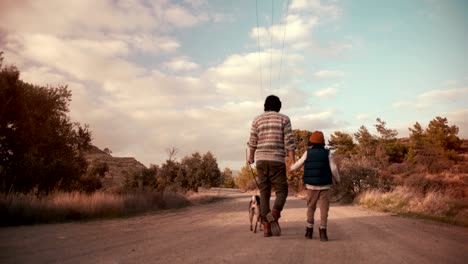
[148,76]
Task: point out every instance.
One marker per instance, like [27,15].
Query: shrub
[409,201]
[356,177]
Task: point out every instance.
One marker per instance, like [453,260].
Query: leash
[251,170]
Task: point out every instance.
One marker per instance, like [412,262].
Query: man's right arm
[253,140]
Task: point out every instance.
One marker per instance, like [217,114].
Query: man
[271,138]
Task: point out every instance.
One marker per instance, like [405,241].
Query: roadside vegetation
[44,176]
[20,209]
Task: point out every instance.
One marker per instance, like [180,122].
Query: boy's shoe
[267,229]
[323,234]
[272,219]
[309,232]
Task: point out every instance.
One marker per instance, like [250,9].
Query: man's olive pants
[271,173]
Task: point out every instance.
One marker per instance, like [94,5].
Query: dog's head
[255,200]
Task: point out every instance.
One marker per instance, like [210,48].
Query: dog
[254,213]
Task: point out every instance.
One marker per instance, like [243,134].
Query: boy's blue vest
[317,167]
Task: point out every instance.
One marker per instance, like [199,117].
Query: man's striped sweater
[271,135]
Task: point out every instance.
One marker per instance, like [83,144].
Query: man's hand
[251,158]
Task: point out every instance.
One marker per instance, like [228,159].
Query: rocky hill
[119,167]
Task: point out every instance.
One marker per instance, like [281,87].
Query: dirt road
[219,233]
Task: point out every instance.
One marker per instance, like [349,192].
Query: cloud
[181,64]
[450,82]
[327,74]
[82,58]
[326,92]
[297,28]
[32,17]
[316,6]
[150,43]
[401,104]
[295,33]
[447,95]
[179,16]
[410,105]
[365,117]
[44,76]
[311,120]
[240,76]
[459,119]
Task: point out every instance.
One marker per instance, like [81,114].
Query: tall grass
[407,201]
[18,209]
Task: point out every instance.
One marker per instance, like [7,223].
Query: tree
[143,179]
[366,141]
[301,137]
[108,151]
[436,147]
[342,143]
[385,133]
[227,178]
[167,174]
[441,134]
[211,175]
[245,180]
[171,153]
[197,171]
[190,173]
[98,168]
[389,149]
[40,148]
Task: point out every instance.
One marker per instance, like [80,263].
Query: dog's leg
[257,217]
[255,230]
[251,216]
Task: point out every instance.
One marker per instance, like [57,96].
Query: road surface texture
[219,233]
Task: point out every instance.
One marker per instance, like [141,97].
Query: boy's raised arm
[299,163]
[334,169]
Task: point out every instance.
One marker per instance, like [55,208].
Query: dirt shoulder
[219,233]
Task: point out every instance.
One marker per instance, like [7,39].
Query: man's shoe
[267,229]
[275,228]
[276,214]
[323,234]
[309,232]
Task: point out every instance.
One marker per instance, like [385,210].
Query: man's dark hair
[272,103]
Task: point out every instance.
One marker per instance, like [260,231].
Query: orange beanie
[317,138]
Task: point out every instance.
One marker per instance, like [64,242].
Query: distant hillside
[119,167]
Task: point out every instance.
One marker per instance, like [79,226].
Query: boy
[319,172]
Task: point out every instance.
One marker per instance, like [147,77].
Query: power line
[258,47]
[282,49]
[271,39]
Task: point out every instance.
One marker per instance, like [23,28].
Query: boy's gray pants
[271,173]
[322,198]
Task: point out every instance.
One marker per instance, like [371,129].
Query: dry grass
[18,209]
[406,201]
